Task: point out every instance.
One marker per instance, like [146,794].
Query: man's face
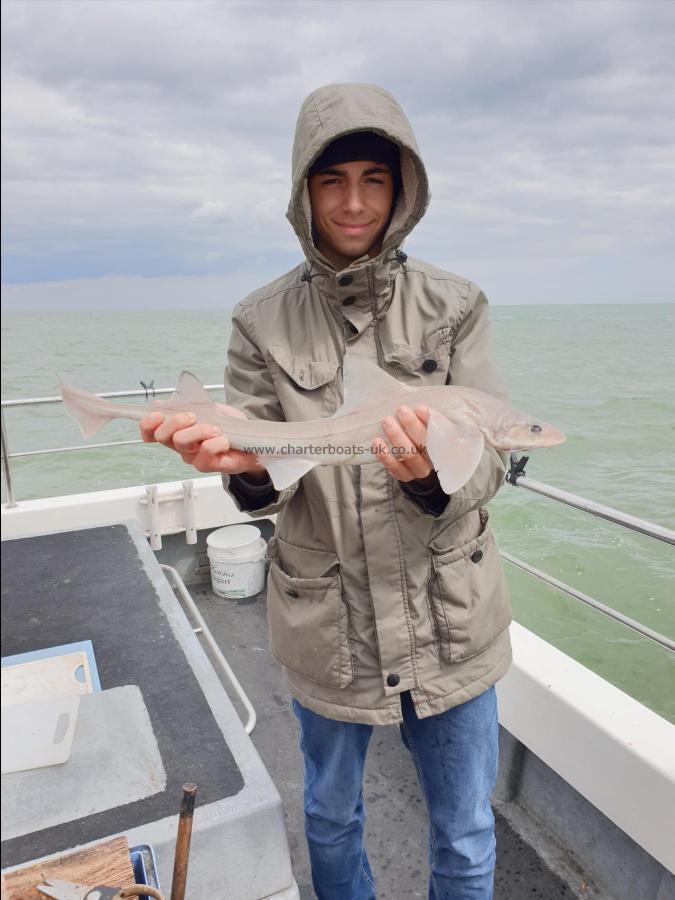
[351,203]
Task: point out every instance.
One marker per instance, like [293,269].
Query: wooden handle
[180,862]
[141,890]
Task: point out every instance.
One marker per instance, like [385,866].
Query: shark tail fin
[83,407]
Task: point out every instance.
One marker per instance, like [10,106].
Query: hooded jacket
[371,590]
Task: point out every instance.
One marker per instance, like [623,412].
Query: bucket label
[237,580]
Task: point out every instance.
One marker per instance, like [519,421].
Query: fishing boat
[585,799]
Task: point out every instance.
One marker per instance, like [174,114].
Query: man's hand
[407,458]
[201,445]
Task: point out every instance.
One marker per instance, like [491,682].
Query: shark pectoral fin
[285,472]
[455,449]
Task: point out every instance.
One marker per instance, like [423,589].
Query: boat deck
[51,586]
[396,823]
[104,586]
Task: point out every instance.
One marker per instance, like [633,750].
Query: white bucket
[237,557]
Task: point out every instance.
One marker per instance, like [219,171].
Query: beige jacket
[368,594]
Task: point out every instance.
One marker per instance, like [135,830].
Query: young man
[385,596]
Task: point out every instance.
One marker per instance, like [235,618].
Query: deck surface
[396,823]
[95,584]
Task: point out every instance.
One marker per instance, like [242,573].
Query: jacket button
[476,556]
[429,365]
[345,280]
[292,593]
[393,680]
[348,301]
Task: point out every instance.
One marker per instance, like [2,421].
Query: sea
[604,374]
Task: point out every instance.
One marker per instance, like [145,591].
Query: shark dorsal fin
[364,382]
[189,389]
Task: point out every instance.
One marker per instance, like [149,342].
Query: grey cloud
[157,48]
[154,138]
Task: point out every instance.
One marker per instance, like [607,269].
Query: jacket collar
[365,284]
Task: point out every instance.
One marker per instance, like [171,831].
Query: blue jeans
[455,754]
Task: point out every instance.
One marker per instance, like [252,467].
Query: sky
[146,145]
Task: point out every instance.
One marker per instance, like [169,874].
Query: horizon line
[10,308]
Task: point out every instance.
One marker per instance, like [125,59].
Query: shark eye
[535,428]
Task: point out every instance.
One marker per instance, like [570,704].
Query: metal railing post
[7,467]
[154,524]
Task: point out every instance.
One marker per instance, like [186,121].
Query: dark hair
[361,145]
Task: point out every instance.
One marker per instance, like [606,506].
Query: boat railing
[515,476]
[7,457]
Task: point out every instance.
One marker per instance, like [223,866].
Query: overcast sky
[146,144]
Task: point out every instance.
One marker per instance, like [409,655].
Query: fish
[462,422]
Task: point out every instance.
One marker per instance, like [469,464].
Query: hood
[339,109]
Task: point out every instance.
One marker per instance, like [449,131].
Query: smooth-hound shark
[461,422]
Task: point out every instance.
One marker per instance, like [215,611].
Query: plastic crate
[145,865]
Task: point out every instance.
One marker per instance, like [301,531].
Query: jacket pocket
[467,597]
[307,388]
[309,625]
[427,363]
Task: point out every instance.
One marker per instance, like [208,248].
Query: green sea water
[601,373]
